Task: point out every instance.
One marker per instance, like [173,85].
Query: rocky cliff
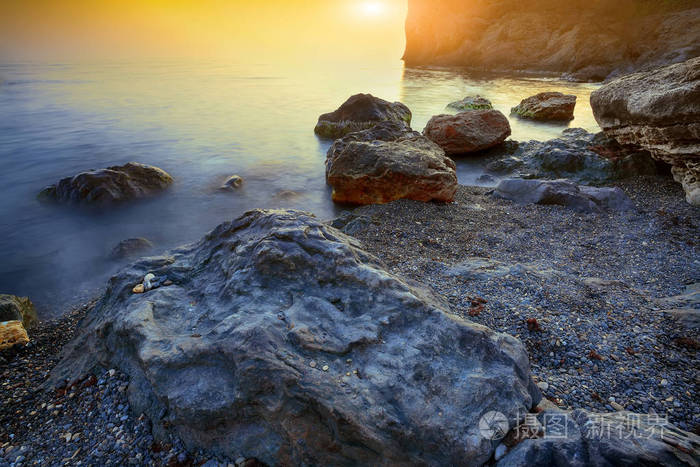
[585,40]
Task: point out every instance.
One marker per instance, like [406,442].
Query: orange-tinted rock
[467,132]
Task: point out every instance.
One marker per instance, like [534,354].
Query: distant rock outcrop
[584,40]
[360,112]
[111,185]
[469,131]
[659,111]
[281,339]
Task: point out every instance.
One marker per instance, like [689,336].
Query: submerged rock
[468,131]
[232,183]
[563,193]
[471,103]
[131,247]
[360,112]
[386,163]
[13,308]
[547,106]
[113,184]
[659,111]
[581,438]
[283,340]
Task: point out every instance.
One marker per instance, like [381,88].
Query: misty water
[201,122]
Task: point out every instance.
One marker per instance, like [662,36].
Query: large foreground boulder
[563,193]
[111,185]
[468,132]
[13,308]
[360,112]
[547,106]
[386,163]
[657,110]
[281,339]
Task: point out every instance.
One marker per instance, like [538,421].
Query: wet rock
[131,247]
[12,333]
[360,112]
[233,183]
[111,185]
[13,308]
[471,103]
[659,111]
[581,438]
[563,193]
[547,106]
[468,132]
[387,163]
[270,292]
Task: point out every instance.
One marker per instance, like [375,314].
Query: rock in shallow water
[232,183]
[658,110]
[563,193]
[471,103]
[547,106]
[386,163]
[360,112]
[130,247]
[113,184]
[266,295]
[469,131]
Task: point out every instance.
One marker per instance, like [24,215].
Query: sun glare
[372,8]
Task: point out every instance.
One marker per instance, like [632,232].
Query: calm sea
[201,122]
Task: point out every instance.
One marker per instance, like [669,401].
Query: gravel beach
[581,290]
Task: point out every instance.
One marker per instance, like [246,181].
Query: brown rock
[547,106]
[467,132]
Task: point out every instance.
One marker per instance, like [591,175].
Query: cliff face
[587,40]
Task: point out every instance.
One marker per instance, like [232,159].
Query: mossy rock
[471,103]
[13,308]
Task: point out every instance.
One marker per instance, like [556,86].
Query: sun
[372,9]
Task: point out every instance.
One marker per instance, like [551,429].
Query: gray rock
[582,438]
[360,112]
[232,183]
[547,106]
[222,357]
[659,111]
[563,193]
[471,103]
[131,247]
[113,184]
[13,308]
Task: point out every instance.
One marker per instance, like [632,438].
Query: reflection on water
[201,122]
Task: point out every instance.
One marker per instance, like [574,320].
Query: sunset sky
[55,30]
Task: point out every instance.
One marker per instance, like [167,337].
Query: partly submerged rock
[281,339]
[471,103]
[13,308]
[581,438]
[131,247]
[659,111]
[577,155]
[468,132]
[113,184]
[386,163]
[547,106]
[360,112]
[563,193]
[232,183]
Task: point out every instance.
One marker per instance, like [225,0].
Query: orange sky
[56,30]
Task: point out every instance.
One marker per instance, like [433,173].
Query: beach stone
[131,247]
[111,185]
[547,106]
[563,193]
[657,110]
[582,438]
[471,103]
[386,163]
[13,308]
[360,112]
[138,289]
[468,132]
[421,378]
[232,183]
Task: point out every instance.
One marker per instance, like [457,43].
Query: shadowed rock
[111,185]
[386,163]
[131,247]
[360,112]
[467,132]
[563,193]
[13,308]
[659,111]
[281,339]
[547,106]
